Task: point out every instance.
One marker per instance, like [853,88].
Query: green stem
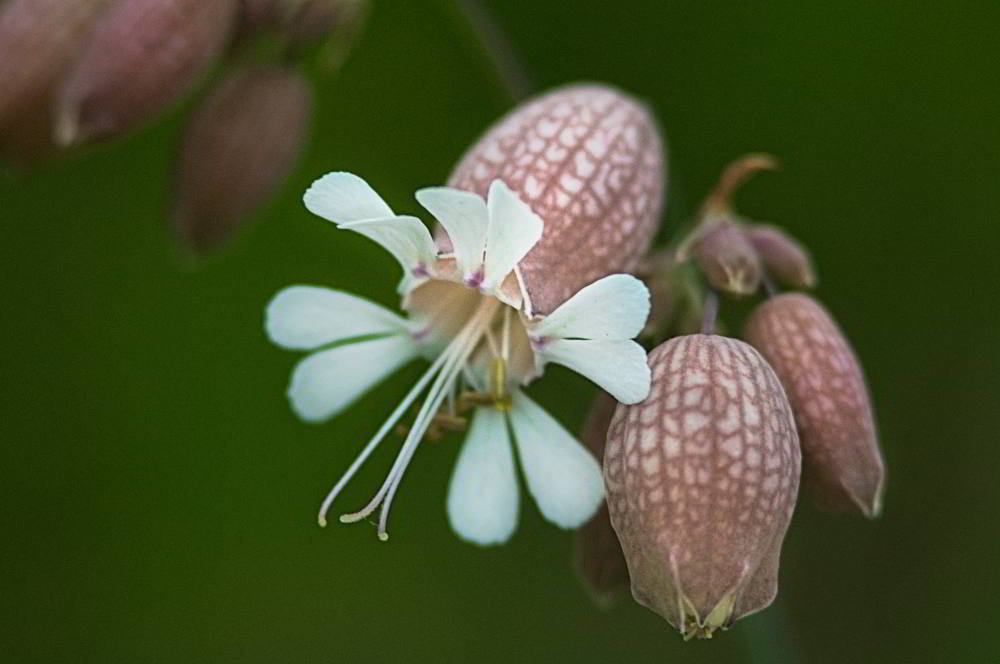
[495,46]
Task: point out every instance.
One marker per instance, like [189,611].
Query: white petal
[343,197]
[483,496]
[615,307]
[406,238]
[618,366]
[513,230]
[327,382]
[307,317]
[564,478]
[464,217]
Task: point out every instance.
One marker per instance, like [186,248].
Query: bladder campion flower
[702,479]
[817,366]
[471,310]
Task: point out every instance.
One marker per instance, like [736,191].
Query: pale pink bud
[701,481]
[239,146]
[843,464]
[783,257]
[599,558]
[38,39]
[143,56]
[589,161]
[728,260]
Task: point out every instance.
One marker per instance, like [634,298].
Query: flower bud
[728,260]
[783,257]
[37,40]
[589,161]
[37,37]
[843,465]
[701,481]
[239,145]
[599,558]
[143,56]
[261,14]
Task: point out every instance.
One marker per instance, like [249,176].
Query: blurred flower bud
[316,19]
[239,145]
[262,14]
[37,40]
[783,257]
[303,22]
[701,482]
[599,558]
[142,57]
[589,161]
[842,463]
[728,260]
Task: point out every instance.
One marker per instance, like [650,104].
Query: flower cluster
[704,442]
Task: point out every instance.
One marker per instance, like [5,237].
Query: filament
[447,366]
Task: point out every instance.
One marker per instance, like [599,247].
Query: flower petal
[512,231]
[564,478]
[615,307]
[307,317]
[618,366]
[406,238]
[327,382]
[483,496]
[464,217]
[344,197]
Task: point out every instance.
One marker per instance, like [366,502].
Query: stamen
[498,376]
[505,336]
[455,357]
[417,431]
[380,435]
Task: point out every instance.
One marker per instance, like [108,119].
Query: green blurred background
[159,496]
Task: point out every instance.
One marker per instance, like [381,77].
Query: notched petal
[307,317]
[344,197]
[327,382]
[562,476]
[618,367]
[512,231]
[613,308]
[483,498]
[465,218]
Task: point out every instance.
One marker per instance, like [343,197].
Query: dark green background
[158,496]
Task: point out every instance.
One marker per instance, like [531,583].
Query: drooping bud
[599,558]
[38,38]
[783,257]
[701,481]
[589,161]
[728,260]
[725,255]
[843,466]
[143,56]
[239,145]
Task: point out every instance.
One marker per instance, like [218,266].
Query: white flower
[470,316]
